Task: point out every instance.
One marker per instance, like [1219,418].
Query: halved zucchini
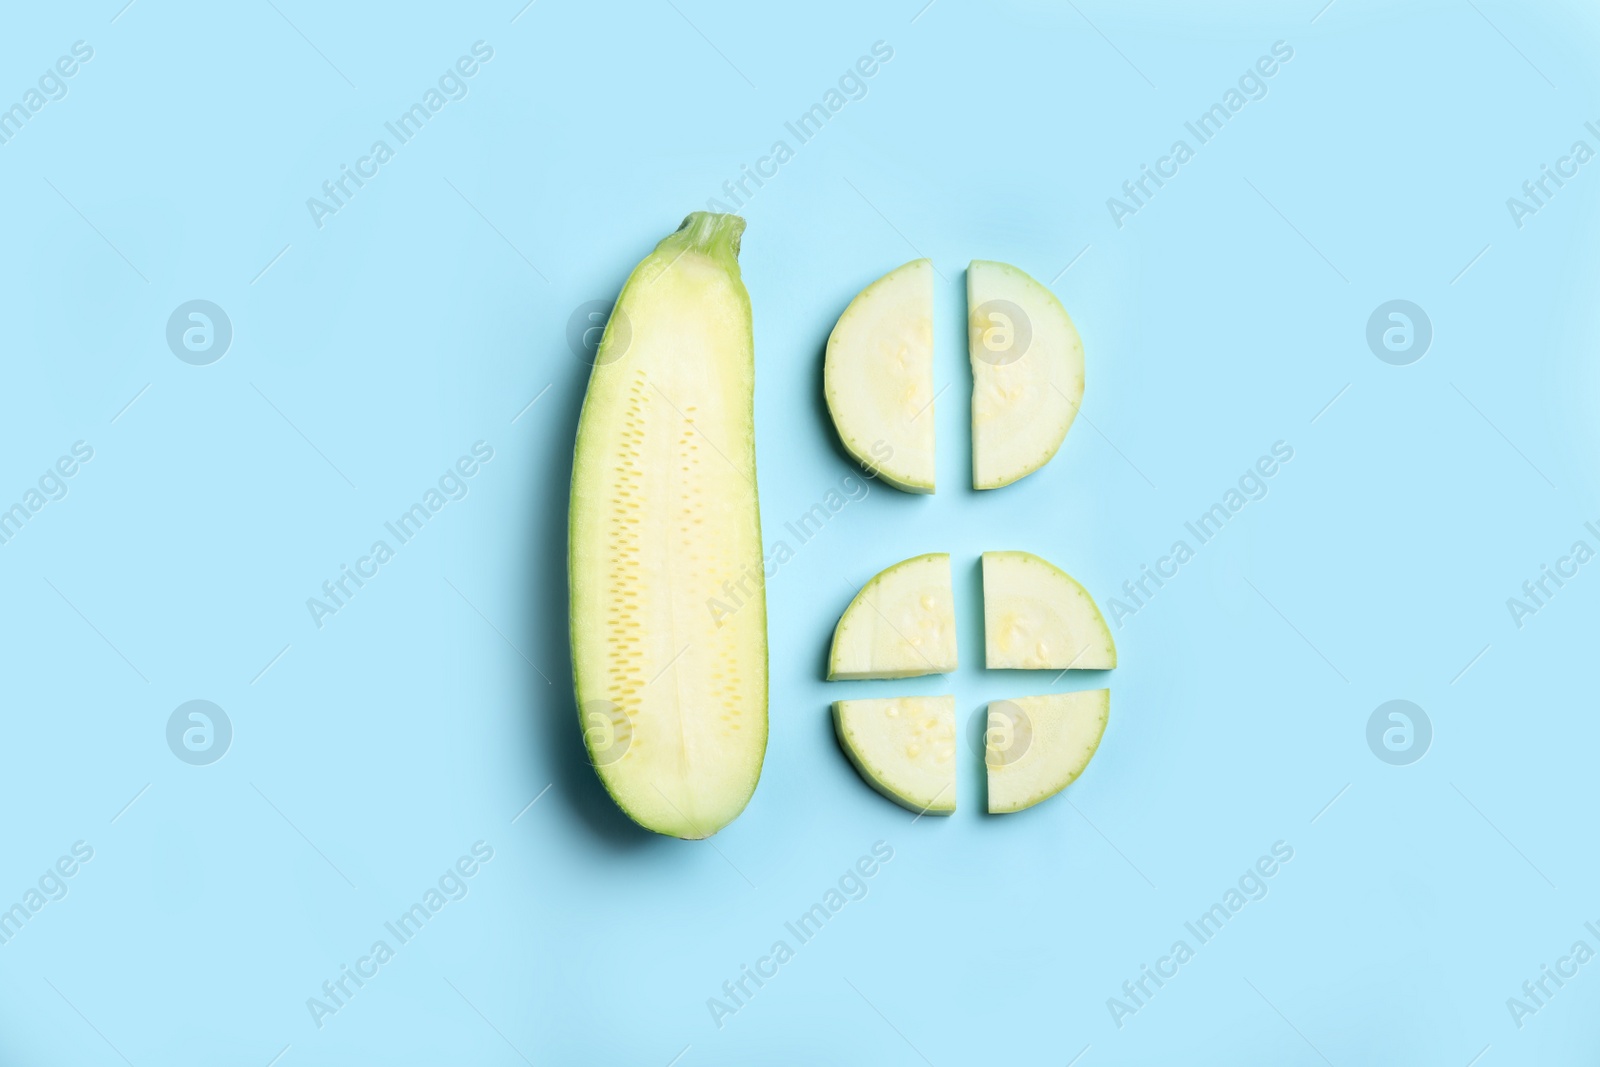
[668,609]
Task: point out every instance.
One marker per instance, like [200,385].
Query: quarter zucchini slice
[1036,617]
[900,625]
[905,748]
[1037,746]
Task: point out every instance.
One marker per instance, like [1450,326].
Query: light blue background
[427,714]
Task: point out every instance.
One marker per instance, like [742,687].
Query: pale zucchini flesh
[904,747]
[878,377]
[900,625]
[1027,373]
[1037,746]
[668,612]
[1037,617]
